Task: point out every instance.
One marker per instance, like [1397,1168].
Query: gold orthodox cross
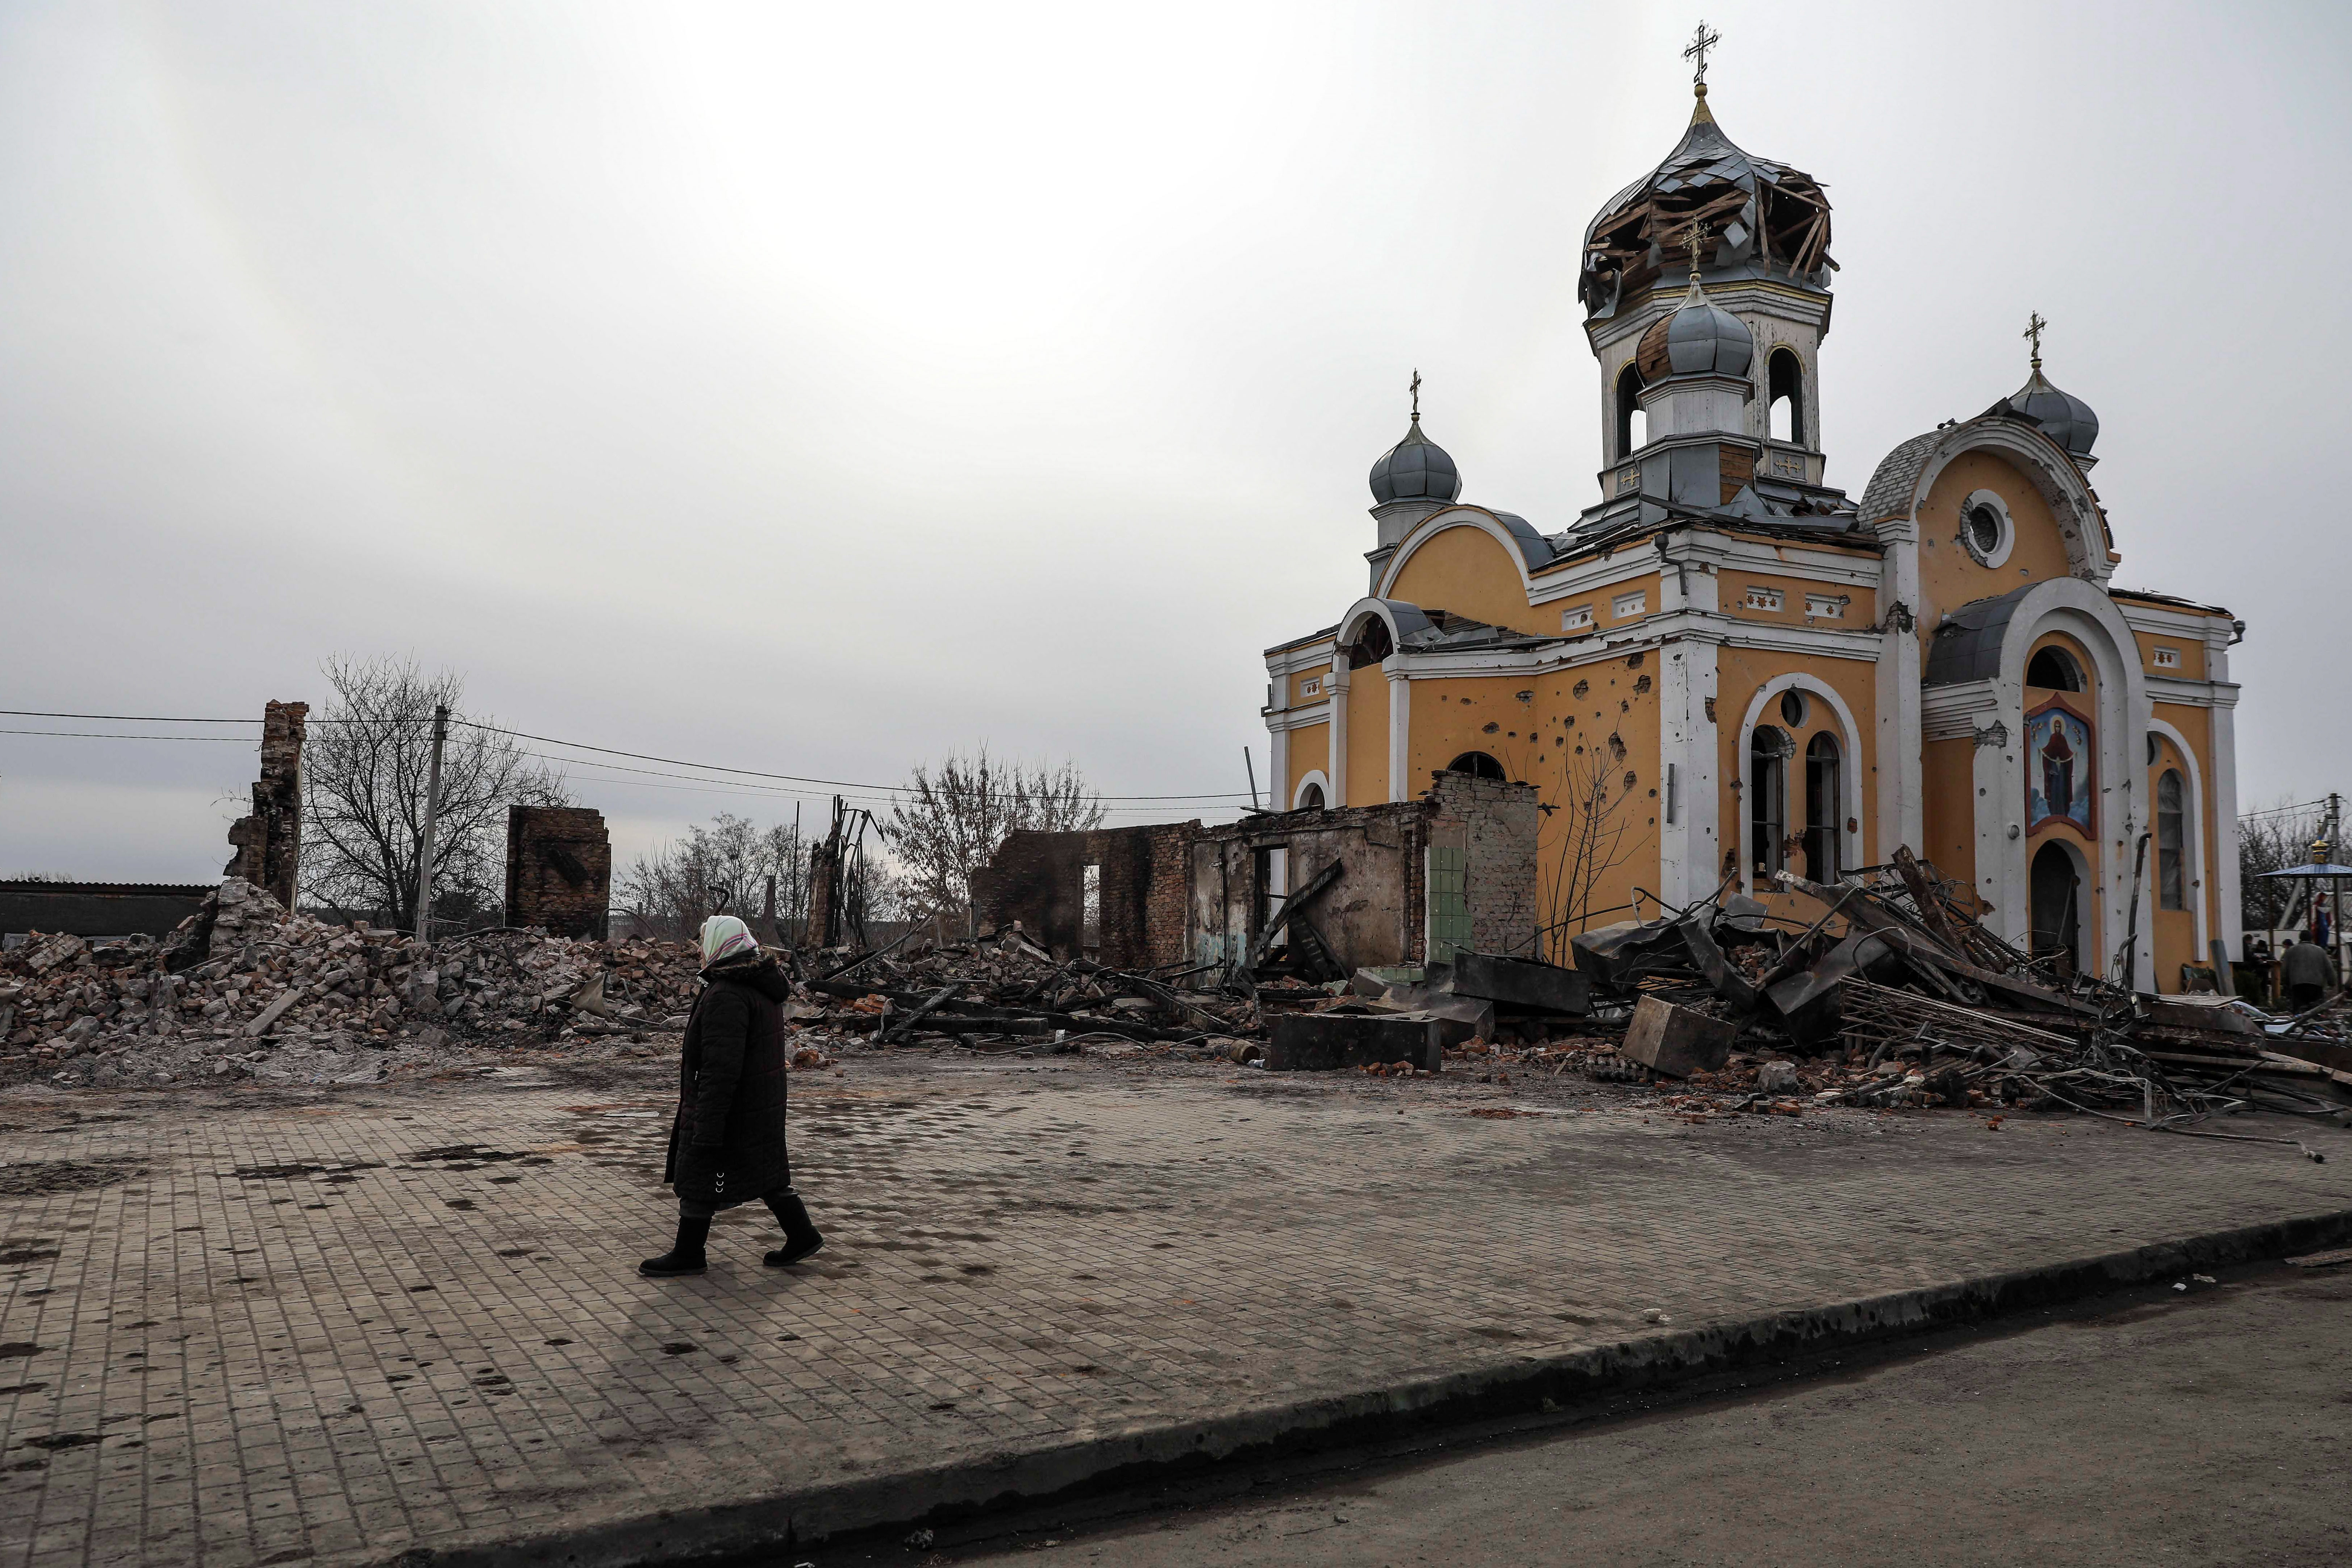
[1416,396]
[2033,325]
[1701,41]
[1697,238]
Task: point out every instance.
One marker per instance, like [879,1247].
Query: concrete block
[1677,1041]
[1321,1042]
[1520,984]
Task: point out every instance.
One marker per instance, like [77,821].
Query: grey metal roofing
[1415,468]
[1535,546]
[2064,417]
[1442,630]
[1966,646]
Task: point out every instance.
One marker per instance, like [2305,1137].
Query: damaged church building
[1727,668]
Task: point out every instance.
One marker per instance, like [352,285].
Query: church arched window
[1372,644]
[1478,766]
[2054,669]
[1768,799]
[1633,424]
[1824,790]
[2171,841]
[1784,384]
[1310,798]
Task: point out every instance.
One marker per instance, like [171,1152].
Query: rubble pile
[1005,993]
[245,988]
[1897,994]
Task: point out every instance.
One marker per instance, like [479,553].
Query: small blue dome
[1415,468]
[1694,339]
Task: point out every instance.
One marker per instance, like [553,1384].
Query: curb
[946,1493]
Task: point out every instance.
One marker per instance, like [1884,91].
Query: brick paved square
[269,1326]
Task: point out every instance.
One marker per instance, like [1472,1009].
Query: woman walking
[727,1141]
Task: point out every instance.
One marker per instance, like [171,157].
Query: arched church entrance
[2056,893]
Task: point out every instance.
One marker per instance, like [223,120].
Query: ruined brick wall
[1039,879]
[1169,895]
[267,847]
[1498,822]
[559,870]
[1371,916]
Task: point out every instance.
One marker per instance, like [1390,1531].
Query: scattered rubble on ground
[1891,995]
[1897,994]
[246,990]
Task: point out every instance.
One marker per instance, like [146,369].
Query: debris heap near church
[246,989]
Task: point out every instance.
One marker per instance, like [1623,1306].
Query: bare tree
[1590,832]
[726,865]
[956,814]
[364,777]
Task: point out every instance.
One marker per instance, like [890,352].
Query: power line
[793,778]
[90,735]
[885,792]
[116,717]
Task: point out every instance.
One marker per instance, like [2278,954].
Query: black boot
[801,1237]
[686,1257]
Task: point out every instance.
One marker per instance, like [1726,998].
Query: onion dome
[1767,219]
[1694,339]
[2063,416]
[1415,468]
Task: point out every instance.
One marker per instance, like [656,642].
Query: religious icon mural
[2059,777]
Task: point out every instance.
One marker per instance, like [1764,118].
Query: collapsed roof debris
[1757,219]
[1899,977]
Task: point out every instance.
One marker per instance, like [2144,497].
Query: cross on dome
[2033,326]
[1701,41]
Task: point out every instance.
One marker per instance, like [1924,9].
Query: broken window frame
[2171,840]
[1768,800]
[1824,797]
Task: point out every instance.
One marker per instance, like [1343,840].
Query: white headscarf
[724,937]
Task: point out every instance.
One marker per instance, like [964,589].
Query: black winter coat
[727,1142]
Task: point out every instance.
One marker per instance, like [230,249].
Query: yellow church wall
[1740,673]
[1368,736]
[1609,708]
[1592,724]
[2180,939]
[1480,714]
[1948,809]
[1466,571]
[2190,654]
[1310,748]
[1733,593]
[1949,576]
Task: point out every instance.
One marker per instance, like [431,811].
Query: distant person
[2308,973]
[727,1141]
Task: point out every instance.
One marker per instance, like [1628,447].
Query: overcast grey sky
[823,388]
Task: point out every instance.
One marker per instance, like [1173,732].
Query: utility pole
[1251,767]
[431,804]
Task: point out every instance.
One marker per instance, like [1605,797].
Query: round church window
[1984,530]
[1794,706]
